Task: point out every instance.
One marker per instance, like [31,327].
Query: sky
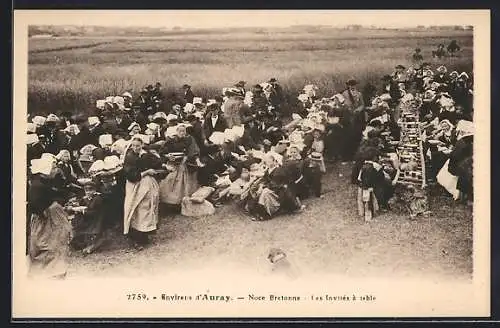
[251,18]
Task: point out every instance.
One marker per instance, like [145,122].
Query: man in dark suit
[214,121]
[277,96]
[143,101]
[188,94]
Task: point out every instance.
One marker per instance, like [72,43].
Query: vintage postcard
[201,163]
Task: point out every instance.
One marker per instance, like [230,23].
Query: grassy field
[71,73]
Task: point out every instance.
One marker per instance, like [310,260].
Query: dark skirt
[86,230]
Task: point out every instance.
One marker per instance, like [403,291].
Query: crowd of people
[119,166]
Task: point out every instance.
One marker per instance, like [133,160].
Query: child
[312,175]
[318,146]
[334,132]
[238,186]
[88,220]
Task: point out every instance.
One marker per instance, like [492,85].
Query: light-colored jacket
[231,109]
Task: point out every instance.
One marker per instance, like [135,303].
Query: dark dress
[89,225]
[461,160]
[333,140]
[278,194]
[49,231]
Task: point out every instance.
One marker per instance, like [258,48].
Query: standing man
[214,121]
[417,56]
[354,118]
[276,98]
[188,94]
[399,75]
[241,85]
[143,101]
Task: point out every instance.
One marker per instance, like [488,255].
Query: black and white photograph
[270,163]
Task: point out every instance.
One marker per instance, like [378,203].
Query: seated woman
[376,178]
[238,186]
[440,144]
[86,158]
[182,154]
[88,220]
[142,171]
[134,128]
[274,194]
[217,160]
[461,161]
[105,143]
[68,170]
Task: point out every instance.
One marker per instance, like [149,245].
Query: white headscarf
[464,128]
[31,139]
[39,120]
[41,165]
[73,127]
[31,128]
[105,140]
[277,157]
[61,153]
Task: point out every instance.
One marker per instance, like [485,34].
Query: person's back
[232,109]
[417,57]
[453,47]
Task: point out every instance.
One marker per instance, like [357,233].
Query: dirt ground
[327,238]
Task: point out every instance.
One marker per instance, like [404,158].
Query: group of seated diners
[113,169]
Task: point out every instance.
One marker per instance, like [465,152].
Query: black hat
[153,146]
[158,84]
[417,50]
[272,80]
[186,86]
[191,118]
[400,67]
[426,64]
[213,106]
[240,84]
[351,82]
[149,87]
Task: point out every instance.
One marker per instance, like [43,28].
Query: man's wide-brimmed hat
[233,92]
[351,82]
